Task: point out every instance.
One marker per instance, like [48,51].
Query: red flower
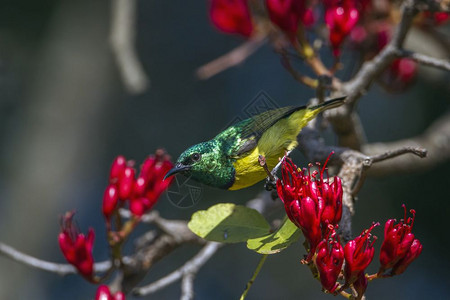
[142,192]
[311,202]
[402,70]
[397,250]
[358,255]
[110,199]
[117,168]
[103,293]
[441,17]
[287,14]
[76,248]
[413,252]
[301,209]
[329,260]
[332,198]
[154,169]
[437,18]
[340,17]
[126,183]
[151,184]
[232,16]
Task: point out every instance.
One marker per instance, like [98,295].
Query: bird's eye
[196,156]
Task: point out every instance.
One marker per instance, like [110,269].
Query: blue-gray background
[64,116]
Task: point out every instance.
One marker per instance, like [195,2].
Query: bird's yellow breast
[273,144]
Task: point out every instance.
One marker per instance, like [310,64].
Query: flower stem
[345,294]
[257,270]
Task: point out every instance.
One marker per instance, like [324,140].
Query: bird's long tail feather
[336,102]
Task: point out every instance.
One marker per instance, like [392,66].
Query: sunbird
[230,160]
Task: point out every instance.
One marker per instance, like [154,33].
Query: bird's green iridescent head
[206,163]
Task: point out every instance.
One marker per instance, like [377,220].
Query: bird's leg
[271,181]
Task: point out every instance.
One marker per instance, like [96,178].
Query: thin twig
[436,139]
[122,39]
[275,169]
[60,269]
[370,160]
[191,267]
[306,80]
[263,164]
[443,64]
[255,274]
[232,58]
[145,218]
[420,152]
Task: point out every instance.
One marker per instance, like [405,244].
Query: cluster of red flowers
[76,247]
[234,16]
[399,247]
[311,202]
[340,17]
[141,192]
[315,206]
[364,23]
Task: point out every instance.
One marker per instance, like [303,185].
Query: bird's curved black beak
[177,169]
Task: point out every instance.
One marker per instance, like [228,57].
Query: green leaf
[228,223]
[273,243]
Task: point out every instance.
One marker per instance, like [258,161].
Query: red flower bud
[126,183]
[437,18]
[413,252]
[403,70]
[138,206]
[117,168]
[340,17]
[231,16]
[151,184]
[441,17]
[76,248]
[110,199]
[398,241]
[156,184]
[358,255]
[140,186]
[332,196]
[286,14]
[119,296]
[329,260]
[103,293]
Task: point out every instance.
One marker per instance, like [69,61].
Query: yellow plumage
[273,144]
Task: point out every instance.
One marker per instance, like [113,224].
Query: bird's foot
[271,183]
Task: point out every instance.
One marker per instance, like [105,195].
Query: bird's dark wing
[243,136]
[257,125]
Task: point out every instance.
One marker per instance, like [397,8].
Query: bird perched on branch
[230,160]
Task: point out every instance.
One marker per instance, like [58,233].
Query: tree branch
[436,139]
[443,64]
[232,58]
[122,40]
[189,270]
[60,269]
[344,120]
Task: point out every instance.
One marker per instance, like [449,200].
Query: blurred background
[65,115]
